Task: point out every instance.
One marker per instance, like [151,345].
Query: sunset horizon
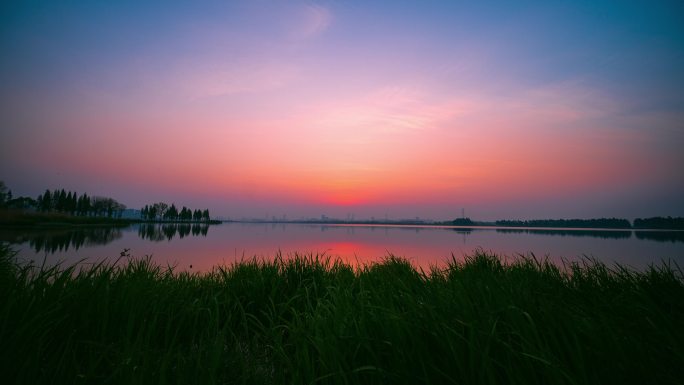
[342,192]
[302,109]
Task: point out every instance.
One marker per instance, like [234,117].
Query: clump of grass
[314,319]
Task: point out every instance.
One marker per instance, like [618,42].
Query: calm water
[205,246]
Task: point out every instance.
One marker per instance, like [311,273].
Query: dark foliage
[600,223]
[668,223]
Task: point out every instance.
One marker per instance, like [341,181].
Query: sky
[525,109]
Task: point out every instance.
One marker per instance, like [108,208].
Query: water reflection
[463,230]
[65,239]
[60,240]
[661,236]
[159,232]
[605,234]
[427,244]
[653,235]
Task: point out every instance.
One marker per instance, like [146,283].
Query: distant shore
[436,224]
[18,218]
[37,219]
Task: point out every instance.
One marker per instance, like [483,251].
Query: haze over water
[513,110]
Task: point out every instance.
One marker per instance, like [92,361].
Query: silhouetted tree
[67,202]
[462,222]
[172,213]
[45,201]
[83,205]
[4,194]
[601,223]
[73,203]
[669,223]
[152,213]
[161,209]
[22,203]
[61,201]
[186,214]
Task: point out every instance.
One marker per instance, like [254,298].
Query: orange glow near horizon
[309,109]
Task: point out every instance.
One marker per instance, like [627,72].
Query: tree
[99,206]
[86,205]
[46,201]
[171,213]
[205,215]
[54,206]
[119,209]
[152,212]
[67,202]
[110,207]
[22,203]
[3,194]
[197,216]
[73,203]
[61,201]
[82,205]
[161,209]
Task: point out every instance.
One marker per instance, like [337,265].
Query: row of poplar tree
[164,212]
[83,205]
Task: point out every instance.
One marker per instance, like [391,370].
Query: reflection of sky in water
[203,246]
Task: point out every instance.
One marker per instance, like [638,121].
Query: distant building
[131,214]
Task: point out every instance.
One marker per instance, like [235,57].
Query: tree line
[463,222]
[163,212]
[65,202]
[659,223]
[83,205]
[71,203]
[600,223]
[8,201]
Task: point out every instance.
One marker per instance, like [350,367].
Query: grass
[312,319]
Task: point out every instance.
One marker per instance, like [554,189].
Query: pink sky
[309,109]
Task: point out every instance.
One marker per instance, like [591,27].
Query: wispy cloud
[312,20]
[388,110]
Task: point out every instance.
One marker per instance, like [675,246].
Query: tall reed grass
[313,319]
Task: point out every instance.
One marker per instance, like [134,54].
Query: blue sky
[300,108]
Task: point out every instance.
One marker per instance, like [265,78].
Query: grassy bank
[20,218]
[313,320]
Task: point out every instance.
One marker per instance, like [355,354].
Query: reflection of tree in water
[151,232]
[184,230]
[606,234]
[661,236]
[167,231]
[52,241]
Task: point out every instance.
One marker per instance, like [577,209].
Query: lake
[199,247]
